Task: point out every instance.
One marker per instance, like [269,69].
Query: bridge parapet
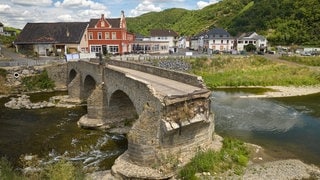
[174,75]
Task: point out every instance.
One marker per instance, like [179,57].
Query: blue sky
[16,13]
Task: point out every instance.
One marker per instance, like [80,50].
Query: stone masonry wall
[58,73]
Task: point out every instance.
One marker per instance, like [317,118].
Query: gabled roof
[61,32]
[217,32]
[163,33]
[251,35]
[114,22]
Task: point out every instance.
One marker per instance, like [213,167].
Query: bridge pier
[166,140]
[96,107]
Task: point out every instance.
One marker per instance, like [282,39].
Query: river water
[53,134]
[287,127]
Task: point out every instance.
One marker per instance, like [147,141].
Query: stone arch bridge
[169,112]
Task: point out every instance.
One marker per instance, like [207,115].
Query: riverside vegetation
[252,71]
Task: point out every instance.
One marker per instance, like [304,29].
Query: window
[246,42]
[107,35]
[99,35]
[227,41]
[90,35]
[113,49]
[95,49]
[214,41]
[114,35]
[221,41]
[156,47]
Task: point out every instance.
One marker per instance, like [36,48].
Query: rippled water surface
[52,134]
[289,127]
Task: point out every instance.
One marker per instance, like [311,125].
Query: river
[286,127]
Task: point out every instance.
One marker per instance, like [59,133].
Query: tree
[250,48]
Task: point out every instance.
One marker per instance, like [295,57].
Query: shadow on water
[288,127]
[53,134]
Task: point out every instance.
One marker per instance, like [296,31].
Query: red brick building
[109,35]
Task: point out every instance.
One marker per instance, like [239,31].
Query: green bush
[38,82]
[234,155]
[62,170]
[6,170]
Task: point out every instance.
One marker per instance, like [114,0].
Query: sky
[17,13]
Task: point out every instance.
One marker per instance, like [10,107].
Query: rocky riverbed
[23,102]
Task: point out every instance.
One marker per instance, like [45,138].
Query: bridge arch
[122,107]
[72,74]
[89,84]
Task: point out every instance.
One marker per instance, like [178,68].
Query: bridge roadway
[163,86]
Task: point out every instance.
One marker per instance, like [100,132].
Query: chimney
[102,16]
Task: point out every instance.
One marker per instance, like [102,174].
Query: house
[252,38]
[184,42]
[109,35]
[159,42]
[165,35]
[218,39]
[4,32]
[45,39]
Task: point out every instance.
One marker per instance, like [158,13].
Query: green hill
[283,22]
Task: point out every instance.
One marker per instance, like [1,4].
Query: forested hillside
[283,22]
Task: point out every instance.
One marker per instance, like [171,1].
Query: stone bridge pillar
[74,87]
[96,103]
[166,139]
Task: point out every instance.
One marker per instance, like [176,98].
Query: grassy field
[306,60]
[251,71]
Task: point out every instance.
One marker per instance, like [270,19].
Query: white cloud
[144,7]
[65,17]
[4,8]
[32,2]
[79,4]
[202,4]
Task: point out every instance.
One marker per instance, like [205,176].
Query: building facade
[218,39]
[252,38]
[109,35]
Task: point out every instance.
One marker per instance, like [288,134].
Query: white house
[165,35]
[218,39]
[252,38]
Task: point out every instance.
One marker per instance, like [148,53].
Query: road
[12,58]
[163,86]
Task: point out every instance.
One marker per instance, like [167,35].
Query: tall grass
[233,156]
[252,71]
[3,89]
[306,60]
[61,170]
